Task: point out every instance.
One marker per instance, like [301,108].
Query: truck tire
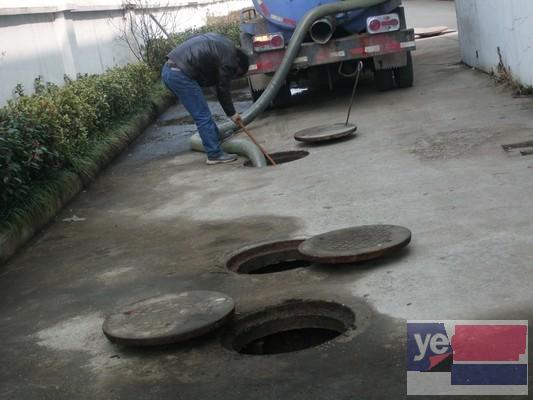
[384,79]
[257,85]
[255,94]
[283,98]
[404,76]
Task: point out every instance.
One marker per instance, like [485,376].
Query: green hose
[242,147]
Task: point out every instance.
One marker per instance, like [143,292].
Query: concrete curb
[71,184]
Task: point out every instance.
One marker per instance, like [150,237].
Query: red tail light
[383,23]
[374,25]
[269,42]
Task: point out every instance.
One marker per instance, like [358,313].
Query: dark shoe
[221,159]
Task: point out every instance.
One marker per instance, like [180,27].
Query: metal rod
[255,142]
[359,68]
[159,25]
[528,143]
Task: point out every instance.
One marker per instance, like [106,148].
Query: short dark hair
[243,61]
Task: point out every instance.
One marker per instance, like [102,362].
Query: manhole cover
[267,258]
[168,319]
[325,133]
[431,31]
[355,244]
[283,157]
[288,327]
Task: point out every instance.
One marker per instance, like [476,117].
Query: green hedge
[157,49]
[53,129]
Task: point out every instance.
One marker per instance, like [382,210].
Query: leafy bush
[24,156]
[157,49]
[53,128]
[230,29]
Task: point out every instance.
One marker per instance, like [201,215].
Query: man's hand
[237,119]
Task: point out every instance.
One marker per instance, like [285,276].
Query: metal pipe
[322,30]
[293,49]
[359,69]
[159,25]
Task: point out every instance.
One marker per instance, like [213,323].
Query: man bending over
[206,60]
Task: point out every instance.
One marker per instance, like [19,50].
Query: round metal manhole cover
[355,244]
[169,319]
[432,31]
[324,133]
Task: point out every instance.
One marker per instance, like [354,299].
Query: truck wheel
[283,98]
[404,76]
[257,85]
[384,79]
[256,94]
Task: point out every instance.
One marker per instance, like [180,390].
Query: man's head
[242,63]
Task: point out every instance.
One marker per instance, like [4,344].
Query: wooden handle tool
[255,142]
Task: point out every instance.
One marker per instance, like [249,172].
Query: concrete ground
[160,221]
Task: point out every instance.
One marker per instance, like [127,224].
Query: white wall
[82,37]
[485,25]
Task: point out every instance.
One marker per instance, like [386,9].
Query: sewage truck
[332,47]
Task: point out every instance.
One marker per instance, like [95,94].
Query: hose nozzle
[322,30]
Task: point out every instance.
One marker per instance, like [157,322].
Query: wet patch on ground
[456,143]
[188,120]
[158,143]
[205,366]
[170,135]
[102,267]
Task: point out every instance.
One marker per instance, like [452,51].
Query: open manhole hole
[283,157]
[292,326]
[268,258]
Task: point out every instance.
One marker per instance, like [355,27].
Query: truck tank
[284,15]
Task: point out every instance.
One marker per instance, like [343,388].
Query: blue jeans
[190,94]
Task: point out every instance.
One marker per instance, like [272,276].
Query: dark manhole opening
[288,341]
[281,267]
[292,326]
[268,258]
[283,157]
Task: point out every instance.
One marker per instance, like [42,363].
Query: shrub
[24,156]
[53,128]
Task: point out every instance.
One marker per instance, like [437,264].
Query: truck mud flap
[390,61]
